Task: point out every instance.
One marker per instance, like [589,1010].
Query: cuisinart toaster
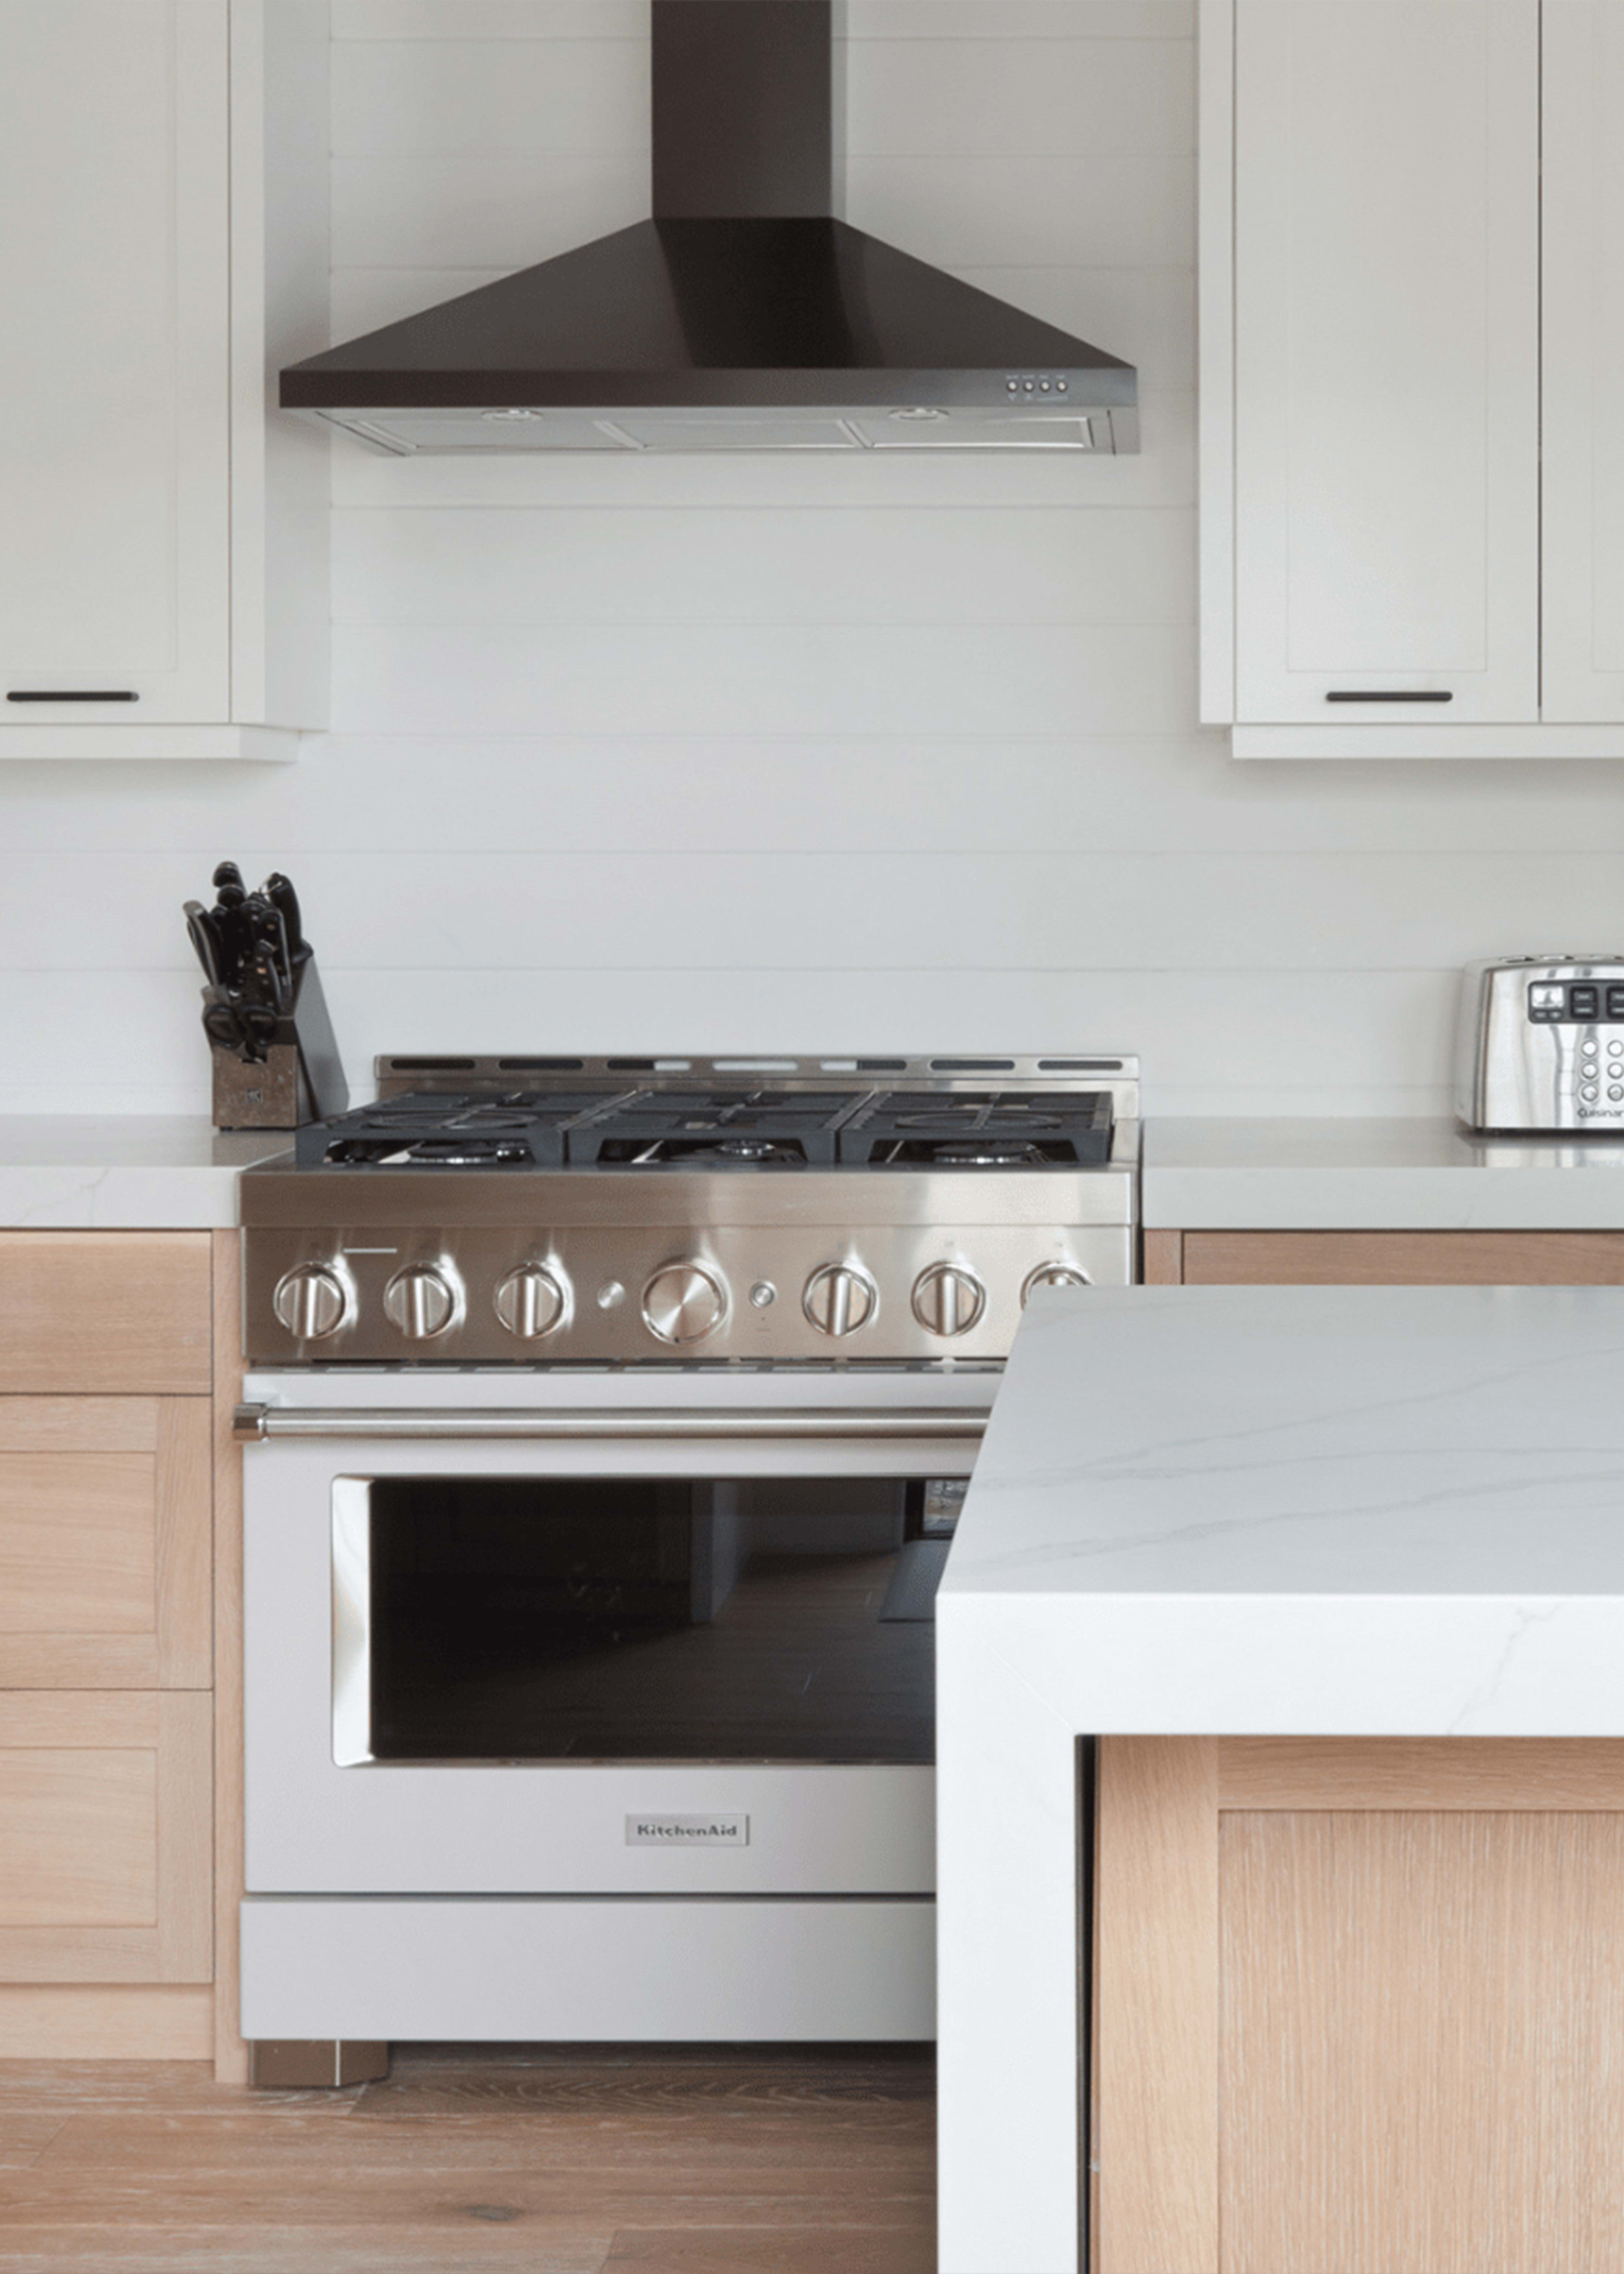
[1541,1044]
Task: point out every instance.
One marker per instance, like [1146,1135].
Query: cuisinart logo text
[688,1831]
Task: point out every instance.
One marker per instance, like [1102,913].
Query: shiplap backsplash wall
[797,754]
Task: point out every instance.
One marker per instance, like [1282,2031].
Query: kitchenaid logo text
[688,1831]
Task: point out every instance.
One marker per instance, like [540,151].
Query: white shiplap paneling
[735,753]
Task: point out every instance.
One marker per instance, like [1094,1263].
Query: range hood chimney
[745,315]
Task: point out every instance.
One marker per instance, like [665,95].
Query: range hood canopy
[744,315]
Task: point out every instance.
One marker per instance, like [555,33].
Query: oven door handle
[252,1424]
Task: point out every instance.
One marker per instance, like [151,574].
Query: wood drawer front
[1403,1259]
[123,1312]
[106,1825]
[105,1561]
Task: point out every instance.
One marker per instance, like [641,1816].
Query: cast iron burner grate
[715,1129]
[986,1129]
[523,1129]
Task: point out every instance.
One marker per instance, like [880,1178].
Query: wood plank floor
[557,2160]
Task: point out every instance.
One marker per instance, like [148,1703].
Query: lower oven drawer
[609,1971]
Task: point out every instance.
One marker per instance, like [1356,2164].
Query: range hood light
[745,315]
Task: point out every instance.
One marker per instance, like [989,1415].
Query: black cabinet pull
[72,694]
[1391,695]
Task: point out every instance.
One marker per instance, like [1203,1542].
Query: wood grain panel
[79,1425]
[1404,1259]
[185,1510]
[1155,2112]
[105,1824]
[105,1312]
[1580,1773]
[78,1543]
[1422,2018]
[1164,1259]
[121,2021]
[105,1549]
[79,1838]
[231,2053]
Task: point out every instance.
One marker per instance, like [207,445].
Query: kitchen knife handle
[1390,695]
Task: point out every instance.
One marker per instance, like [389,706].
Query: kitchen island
[1334,1576]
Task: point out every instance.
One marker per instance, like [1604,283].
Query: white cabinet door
[1386,369]
[114,572]
[1583,359]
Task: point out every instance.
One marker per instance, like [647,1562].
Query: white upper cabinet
[1583,359]
[1371,303]
[150,519]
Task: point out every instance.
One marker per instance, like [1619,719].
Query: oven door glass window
[594,1620]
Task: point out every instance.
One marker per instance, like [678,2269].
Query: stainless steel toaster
[1541,1044]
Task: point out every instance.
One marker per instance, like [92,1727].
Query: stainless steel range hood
[745,315]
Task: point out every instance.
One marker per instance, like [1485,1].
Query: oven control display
[1576,1002]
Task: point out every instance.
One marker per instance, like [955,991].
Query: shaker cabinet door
[1387,361]
[114,361]
[1583,345]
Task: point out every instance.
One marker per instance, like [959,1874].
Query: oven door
[599,1649]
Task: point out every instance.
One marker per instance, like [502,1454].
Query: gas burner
[726,1153]
[975,1115]
[972,1153]
[403,1152]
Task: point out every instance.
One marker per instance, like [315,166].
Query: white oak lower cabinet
[1357,2005]
[1384,1259]
[109,1437]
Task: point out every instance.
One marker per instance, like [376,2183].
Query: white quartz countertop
[1374,1175]
[1354,1510]
[128,1172]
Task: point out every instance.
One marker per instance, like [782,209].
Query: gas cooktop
[714,1128]
[533,1211]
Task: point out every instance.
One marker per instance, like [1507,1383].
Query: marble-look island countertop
[1352,1511]
[1233,1512]
[1374,1175]
[127,1173]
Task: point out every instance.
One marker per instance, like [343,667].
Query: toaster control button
[1546,1003]
[1615,1002]
[1583,1002]
[1590,1092]
[1615,1093]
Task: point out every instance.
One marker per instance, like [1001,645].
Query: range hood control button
[948,1300]
[310,1302]
[838,1300]
[683,1303]
[529,1303]
[420,1301]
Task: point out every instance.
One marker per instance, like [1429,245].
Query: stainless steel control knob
[683,1303]
[310,1302]
[1052,1275]
[838,1300]
[948,1300]
[420,1301]
[530,1302]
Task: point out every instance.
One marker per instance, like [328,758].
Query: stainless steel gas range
[606,1427]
